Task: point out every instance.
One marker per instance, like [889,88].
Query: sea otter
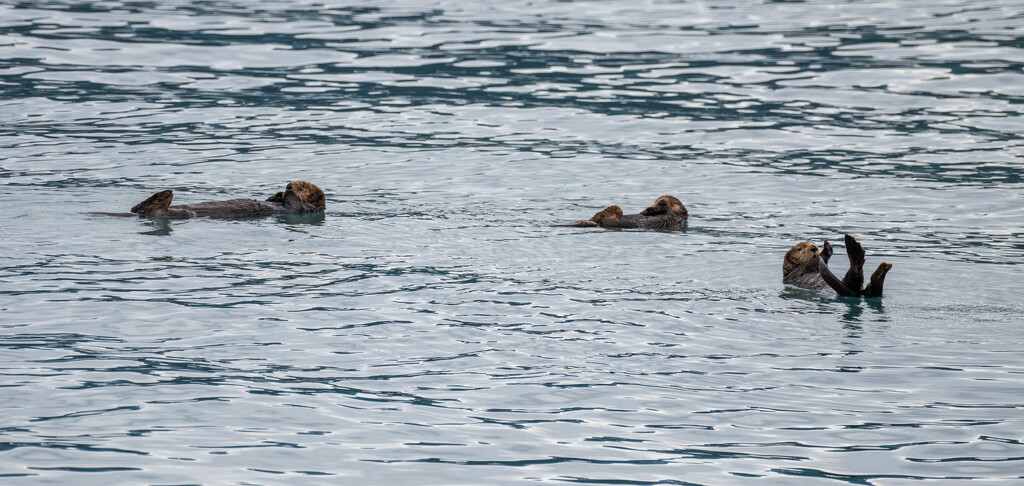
[298,197]
[804,266]
[667,212]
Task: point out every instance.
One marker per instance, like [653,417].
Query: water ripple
[431,325]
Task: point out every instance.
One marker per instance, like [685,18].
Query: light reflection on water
[431,327]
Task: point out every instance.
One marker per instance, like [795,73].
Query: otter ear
[279,197]
[160,200]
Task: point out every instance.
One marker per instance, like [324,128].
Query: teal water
[431,328]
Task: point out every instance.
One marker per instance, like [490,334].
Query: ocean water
[432,328]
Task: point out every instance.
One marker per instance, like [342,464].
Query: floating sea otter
[805,267]
[298,197]
[667,212]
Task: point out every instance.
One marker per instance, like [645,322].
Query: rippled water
[432,328]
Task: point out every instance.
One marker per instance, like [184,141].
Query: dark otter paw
[279,197]
[874,289]
[854,251]
[826,251]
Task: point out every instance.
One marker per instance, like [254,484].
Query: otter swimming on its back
[667,212]
[298,197]
[804,266]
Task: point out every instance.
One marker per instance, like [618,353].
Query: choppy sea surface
[431,328]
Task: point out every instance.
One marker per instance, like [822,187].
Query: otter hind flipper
[833,281]
[854,278]
[874,288]
[160,200]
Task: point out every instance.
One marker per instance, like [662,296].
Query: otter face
[301,194]
[666,205]
[610,212]
[160,200]
[801,255]
[311,196]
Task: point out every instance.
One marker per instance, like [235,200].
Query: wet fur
[805,266]
[667,212]
[298,197]
[800,265]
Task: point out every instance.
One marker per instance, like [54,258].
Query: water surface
[431,328]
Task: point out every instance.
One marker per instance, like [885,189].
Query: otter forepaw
[826,251]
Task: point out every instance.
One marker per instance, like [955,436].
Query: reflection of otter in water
[805,267]
[298,197]
[667,212]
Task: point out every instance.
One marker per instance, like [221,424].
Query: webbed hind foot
[854,277]
[874,289]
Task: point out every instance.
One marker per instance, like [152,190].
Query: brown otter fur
[298,197]
[800,265]
[805,267]
[667,212]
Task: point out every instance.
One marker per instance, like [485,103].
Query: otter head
[610,212]
[666,205]
[160,200]
[302,196]
[802,256]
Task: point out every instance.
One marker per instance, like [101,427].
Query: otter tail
[578,224]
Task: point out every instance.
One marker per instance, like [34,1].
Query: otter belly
[809,280]
[663,221]
[232,208]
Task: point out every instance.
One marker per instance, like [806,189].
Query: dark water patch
[866,479]
[87,469]
[4,446]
